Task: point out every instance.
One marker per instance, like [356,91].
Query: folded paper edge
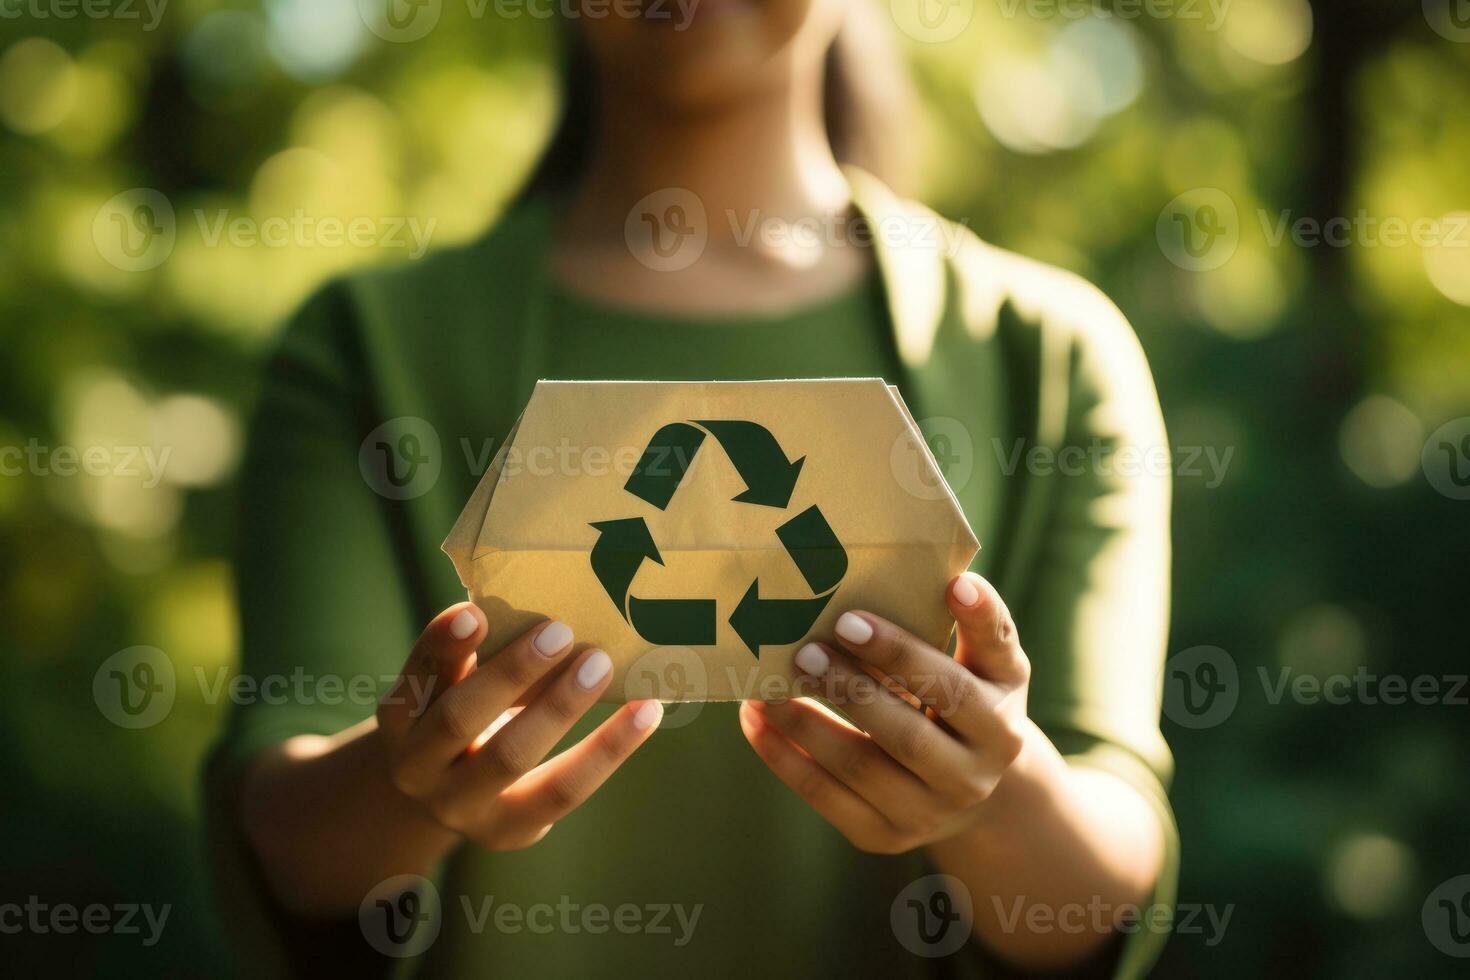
[464,536]
[966,544]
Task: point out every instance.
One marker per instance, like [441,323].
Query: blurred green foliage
[1321,369]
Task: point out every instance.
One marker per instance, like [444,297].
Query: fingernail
[854,628]
[463,625]
[593,669]
[966,592]
[813,659]
[553,638]
[648,715]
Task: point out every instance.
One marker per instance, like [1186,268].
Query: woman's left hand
[908,777]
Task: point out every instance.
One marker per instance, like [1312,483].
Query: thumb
[988,644]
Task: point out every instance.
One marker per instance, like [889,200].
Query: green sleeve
[1094,617]
[325,611]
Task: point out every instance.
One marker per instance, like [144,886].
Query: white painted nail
[854,628]
[813,659]
[648,715]
[966,592]
[593,670]
[553,638]
[463,625]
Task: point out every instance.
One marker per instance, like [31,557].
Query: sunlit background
[1058,131]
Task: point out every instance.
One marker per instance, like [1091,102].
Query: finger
[442,655]
[561,784]
[911,737]
[988,643]
[520,745]
[957,696]
[459,715]
[852,757]
[843,808]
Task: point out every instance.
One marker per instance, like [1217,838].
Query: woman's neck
[765,158]
[756,182]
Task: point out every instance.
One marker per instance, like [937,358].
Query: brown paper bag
[700,532]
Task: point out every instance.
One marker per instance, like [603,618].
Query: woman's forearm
[1063,850]
[327,824]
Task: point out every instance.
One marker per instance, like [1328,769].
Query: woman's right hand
[457,745]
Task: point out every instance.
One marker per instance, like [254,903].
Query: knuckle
[507,757]
[913,743]
[1022,668]
[458,718]
[1005,626]
[812,785]
[856,765]
[1010,742]
[565,792]
[564,704]
[967,696]
[514,667]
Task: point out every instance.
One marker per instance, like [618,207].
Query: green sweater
[1002,360]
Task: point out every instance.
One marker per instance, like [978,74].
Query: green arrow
[664,462]
[815,549]
[674,622]
[618,554]
[774,622]
[769,477]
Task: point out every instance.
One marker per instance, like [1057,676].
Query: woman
[778,834]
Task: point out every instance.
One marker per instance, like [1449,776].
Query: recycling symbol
[624,544]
